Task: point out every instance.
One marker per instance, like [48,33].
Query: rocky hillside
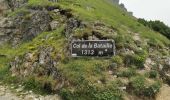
[35,37]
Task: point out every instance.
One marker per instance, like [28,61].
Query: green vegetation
[152,89]
[136,60]
[83,74]
[127,73]
[118,60]
[142,87]
[40,3]
[89,91]
[111,15]
[153,74]
[138,84]
[89,78]
[157,26]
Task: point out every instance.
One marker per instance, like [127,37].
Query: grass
[90,91]
[87,69]
[41,3]
[141,87]
[112,15]
[127,73]
[86,77]
[55,39]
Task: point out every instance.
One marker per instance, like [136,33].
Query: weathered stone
[137,39]
[14,4]
[53,0]
[40,64]
[29,28]
[164,69]
[21,28]
[72,24]
[167,61]
[3,7]
[149,63]
[93,37]
[54,25]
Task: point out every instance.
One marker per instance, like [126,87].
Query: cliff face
[35,37]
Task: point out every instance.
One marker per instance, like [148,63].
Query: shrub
[153,74]
[91,92]
[3,72]
[117,59]
[31,83]
[152,89]
[138,84]
[141,88]
[137,60]
[157,26]
[38,86]
[127,73]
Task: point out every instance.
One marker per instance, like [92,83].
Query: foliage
[138,84]
[40,3]
[141,87]
[127,73]
[92,92]
[152,89]
[153,74]
[135,59]
[157,26]
[117,59]
[83,74]
[38,85]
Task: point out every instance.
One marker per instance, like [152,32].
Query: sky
[149,9]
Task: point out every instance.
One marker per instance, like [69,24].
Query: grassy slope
[114,16]
[84,69]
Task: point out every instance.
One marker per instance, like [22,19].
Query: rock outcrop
[164,69]
[14,4]
[40,64]
[24,27]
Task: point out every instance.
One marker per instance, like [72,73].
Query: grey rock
[30,27]
[164,69]
[14,4]
[40,64]
[19,28]
[53,0]
[54,25]
[3,7]
[167,61]
[72,24]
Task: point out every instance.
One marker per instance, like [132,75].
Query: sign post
[97,48]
